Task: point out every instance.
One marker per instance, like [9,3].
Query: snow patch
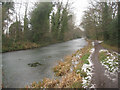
[100,41]
[111,64]
[93,44]
[88,69]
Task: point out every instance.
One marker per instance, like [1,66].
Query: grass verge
[114,48]
[109,60]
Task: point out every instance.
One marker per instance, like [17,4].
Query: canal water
[17,71]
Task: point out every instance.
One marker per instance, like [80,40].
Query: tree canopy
[100,21]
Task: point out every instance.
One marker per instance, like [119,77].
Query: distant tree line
[100,21]
[45,25]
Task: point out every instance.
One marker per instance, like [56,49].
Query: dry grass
[21,45]
[67,81]
[114,48]
[63,67]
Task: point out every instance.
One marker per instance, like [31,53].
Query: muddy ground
[99,79]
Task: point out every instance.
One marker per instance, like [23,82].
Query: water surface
[16,71]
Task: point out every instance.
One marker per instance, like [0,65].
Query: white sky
[78,7]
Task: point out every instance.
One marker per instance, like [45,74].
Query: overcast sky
[78,7]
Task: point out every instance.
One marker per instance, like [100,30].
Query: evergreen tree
[40,20]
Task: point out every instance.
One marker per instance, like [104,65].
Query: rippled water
[16,71]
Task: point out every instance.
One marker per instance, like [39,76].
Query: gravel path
[99,79]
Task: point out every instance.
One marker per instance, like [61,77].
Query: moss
[102,56]
[76,85]
[118,56]
[83,74]
[85,57]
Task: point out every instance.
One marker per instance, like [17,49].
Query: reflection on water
[17,72]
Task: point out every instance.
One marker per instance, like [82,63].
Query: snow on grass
[100,41]
[93,44]
[103,50]
[109,60]
[88,69]
[111,63]
[92,51]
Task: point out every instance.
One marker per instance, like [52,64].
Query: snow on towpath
[101,77]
